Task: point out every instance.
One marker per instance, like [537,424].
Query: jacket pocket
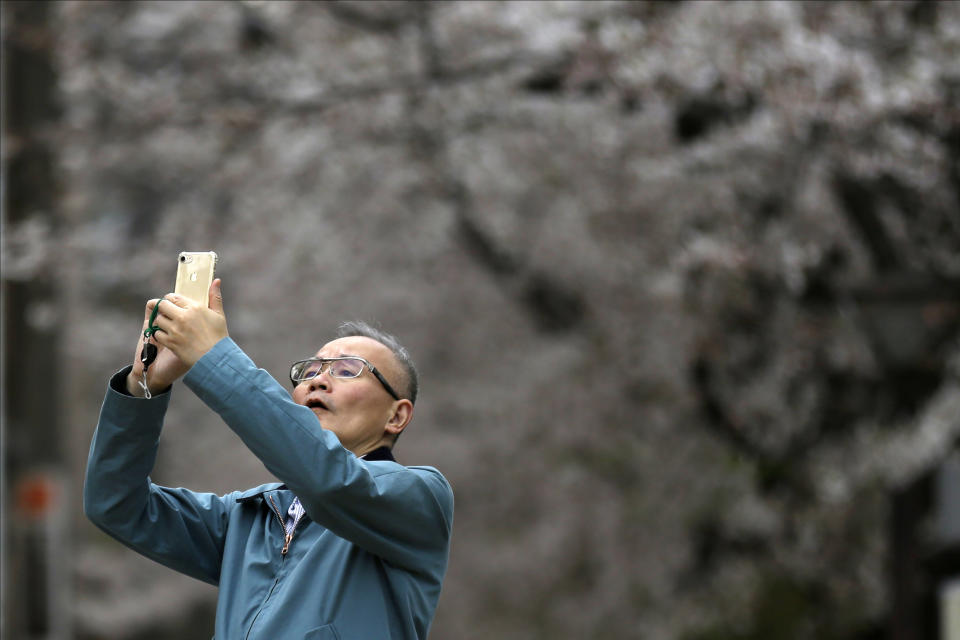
[326,632]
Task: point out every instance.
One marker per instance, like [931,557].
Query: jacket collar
[257,492]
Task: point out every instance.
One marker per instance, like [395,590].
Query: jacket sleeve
[181,529]
[402,514]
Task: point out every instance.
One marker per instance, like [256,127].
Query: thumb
[215,299]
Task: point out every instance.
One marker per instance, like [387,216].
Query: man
[352,545]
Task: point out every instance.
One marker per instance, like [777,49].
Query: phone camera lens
[183,258]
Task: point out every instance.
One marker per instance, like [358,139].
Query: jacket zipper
[287,537]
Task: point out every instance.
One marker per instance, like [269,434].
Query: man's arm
[401,514]
[178,528]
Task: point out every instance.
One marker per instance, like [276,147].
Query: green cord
[151,327]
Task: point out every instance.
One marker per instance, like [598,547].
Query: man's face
[357,410]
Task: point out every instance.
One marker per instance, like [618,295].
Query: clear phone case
[195,271]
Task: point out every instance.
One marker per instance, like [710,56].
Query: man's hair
[410,385]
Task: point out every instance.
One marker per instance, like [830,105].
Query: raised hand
[187,330]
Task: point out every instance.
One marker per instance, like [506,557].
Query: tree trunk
[35,574]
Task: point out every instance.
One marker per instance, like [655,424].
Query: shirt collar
[383,453]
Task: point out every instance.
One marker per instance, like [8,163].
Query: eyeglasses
[345,367]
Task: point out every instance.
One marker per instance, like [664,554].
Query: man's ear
[402,414]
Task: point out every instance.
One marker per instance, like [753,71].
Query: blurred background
[682,280]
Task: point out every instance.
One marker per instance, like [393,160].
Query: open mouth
[316,404]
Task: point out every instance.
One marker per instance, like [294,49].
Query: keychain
[149,352]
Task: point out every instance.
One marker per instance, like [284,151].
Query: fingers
[164,324]
[168,312]
[173,310]
[188,328]
[178,300]
[172,306]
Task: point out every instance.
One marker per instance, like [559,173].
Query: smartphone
[195,270]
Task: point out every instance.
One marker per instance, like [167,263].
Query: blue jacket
[367,560]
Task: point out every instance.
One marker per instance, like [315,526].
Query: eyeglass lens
[348,368]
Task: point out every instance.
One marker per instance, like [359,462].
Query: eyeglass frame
[327,361]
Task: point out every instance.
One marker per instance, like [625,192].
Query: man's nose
[319,381]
